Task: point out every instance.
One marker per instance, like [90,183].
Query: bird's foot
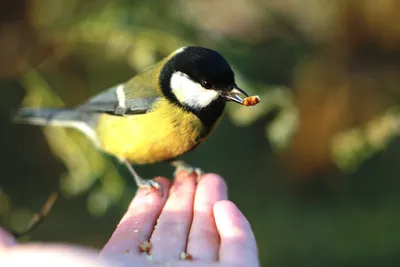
[143,183]
[183,166]
[148,184]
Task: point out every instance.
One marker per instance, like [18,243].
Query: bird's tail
[82,121]
[49,116]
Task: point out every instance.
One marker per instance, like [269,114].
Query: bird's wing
[131,98]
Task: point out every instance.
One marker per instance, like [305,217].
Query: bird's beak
[233,95]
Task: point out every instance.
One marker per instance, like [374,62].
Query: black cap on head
[205,66]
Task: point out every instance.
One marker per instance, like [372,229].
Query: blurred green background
[314,166]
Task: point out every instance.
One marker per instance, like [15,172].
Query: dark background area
[314,166]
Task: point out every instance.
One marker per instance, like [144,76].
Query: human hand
[192,218]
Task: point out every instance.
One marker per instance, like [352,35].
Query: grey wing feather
[116,102]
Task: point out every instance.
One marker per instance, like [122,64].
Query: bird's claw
[183,166]
[149,184]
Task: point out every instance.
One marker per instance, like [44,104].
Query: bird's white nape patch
[190,92]
[179,50]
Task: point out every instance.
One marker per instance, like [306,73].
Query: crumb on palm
[149,257]
[186,256]
[145,246]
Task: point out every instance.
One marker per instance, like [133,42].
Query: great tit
[161,113]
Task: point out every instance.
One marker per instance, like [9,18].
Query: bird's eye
[206,84]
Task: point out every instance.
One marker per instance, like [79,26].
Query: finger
[238,244]
[203,241]
[170,236]
[138,222]
[6,239]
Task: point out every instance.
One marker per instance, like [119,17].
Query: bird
[163,112]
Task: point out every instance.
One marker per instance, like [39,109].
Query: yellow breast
[160,135]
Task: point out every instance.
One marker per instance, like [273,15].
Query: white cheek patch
[190,92]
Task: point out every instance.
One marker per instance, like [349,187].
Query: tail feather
[38,116]
[84,122]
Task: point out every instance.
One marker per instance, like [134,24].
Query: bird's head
[197,77]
